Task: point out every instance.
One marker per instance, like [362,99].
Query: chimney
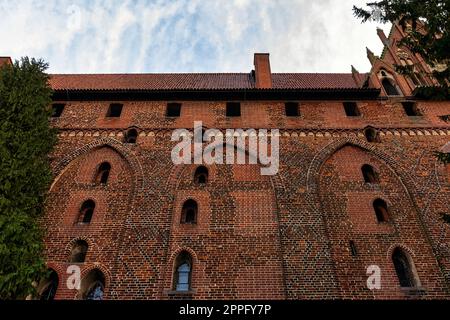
[263,74]
[5,60]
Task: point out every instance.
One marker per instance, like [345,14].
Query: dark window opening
[351,109]
[173,110]
[445,118]
[183,272]
[292,109]
[201,175]
[189,212]
[371,135]
[353,249]
[79,251]
[86,212]
[390,89]
[411,109]
[115,110]
[131,136]
[49,286]
[233,109]
[57,110]
[381,210]
[403,269]
[93,286]
[369,174]
[103,173]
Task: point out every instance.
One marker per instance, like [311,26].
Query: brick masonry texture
[257,237]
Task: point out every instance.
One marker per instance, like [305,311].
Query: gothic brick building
[358,186]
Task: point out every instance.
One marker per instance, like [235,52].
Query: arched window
[47,288]
[93,285]
[389,87]
[79,251]
[404,268]
[369,174]
[131,136]
[201,175]
[189,212]
[183,272]
[86,212]
[371,135]
[103,173]
[381,210]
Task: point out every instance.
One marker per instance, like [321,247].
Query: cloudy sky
[106,36]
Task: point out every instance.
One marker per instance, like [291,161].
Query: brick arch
[116,145]
[85,272]
[403,177]
[394,246]
[178,170]
[171,262]
[320,158]
[69,246]
[175,254]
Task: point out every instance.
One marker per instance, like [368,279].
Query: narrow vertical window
[381,210]
[353,249]
[369,174]
[189,212]
[103,173]
[183,272]
[79,251]
[86,212]
[403,268]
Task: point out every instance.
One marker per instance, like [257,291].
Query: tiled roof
[199,81]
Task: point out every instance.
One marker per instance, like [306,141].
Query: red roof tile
[198,81]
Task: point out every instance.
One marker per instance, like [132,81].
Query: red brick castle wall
[257,237]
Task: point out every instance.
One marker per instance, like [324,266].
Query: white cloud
[187,35]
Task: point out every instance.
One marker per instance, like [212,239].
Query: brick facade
[257,237]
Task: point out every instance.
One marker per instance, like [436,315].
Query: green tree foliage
[427,23]
[26,139]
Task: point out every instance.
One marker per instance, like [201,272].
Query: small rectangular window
[292,109]
[173,110]
[233,109]
[115,110]
[411,109]
[57,110]
[351,109]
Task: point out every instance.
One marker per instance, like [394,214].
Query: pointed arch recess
[135,165]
